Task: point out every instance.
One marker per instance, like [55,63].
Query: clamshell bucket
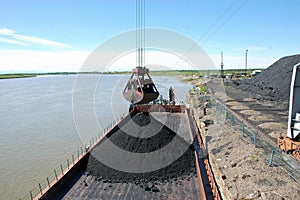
[140,88]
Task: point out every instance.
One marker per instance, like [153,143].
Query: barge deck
[184,178]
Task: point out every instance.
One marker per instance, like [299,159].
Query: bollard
[40,188]
[81,150]
[61,168]
[48,182]
[78,154]
[68,163]
[271,158]
[73,159]
[31,197]
[55,174]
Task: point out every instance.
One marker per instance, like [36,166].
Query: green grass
[176,73]
[203,89]
[10,76]
[191,75]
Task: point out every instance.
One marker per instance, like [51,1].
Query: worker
[171,96]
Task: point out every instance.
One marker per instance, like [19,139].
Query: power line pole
[222,66]
[246,61]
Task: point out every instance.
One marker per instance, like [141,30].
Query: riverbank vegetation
[189,75]
[10,76]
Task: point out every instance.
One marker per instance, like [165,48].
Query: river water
[37,128]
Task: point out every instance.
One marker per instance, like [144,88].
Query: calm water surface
[37,128]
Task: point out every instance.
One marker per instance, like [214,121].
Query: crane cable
[140,33]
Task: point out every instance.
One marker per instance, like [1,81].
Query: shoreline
[15,76]
[189,76]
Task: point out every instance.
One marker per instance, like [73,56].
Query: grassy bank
[189,75]
[10,76]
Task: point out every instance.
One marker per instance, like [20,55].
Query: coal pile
[184,166]
[274,82]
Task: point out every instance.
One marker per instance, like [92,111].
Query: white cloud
[6,31]
[62,61]
[42,61]
[19,39]
[154,60]
[13,41]
[39,41]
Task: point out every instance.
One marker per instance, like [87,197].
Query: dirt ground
[242,169]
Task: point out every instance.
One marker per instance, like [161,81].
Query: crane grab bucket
[140,88]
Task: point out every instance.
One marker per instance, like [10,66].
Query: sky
[59,35]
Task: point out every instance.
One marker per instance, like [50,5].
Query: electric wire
[193,50]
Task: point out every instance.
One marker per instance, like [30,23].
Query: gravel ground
[243,169]
[274,82]
[253,109]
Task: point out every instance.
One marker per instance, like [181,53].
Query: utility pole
[222,66]
[246,61]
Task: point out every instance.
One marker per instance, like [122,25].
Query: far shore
[189,74]
[12,76]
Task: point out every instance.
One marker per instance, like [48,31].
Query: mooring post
[271,158]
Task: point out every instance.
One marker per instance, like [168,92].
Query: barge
[186,176]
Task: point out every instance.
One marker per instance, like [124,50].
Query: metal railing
[272,154]
[59,171]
